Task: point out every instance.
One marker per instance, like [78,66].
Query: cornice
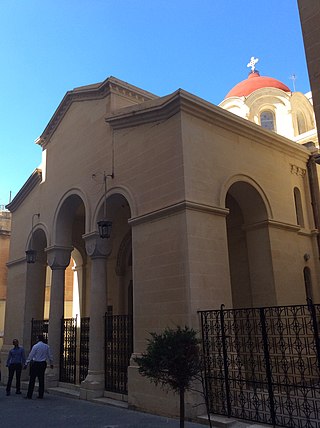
[274,224]
[242,127]
[16,262]
[91,92]
[34,179]
[176,208]
[182,101]
[156,110]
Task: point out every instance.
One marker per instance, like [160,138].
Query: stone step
[111,402]
[218,421]
[65,392]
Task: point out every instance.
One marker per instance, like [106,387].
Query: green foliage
[172,358]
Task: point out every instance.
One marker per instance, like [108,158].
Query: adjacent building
[5,231]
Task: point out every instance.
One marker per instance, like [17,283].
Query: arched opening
[250,261]
[66,281]
[73,293]
[120,291]
[35,283]
[120,261]
[267,120]
[301,122]
[70,227]
[298,206]
[308,284]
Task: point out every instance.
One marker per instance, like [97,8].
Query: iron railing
[68,351]
[262,364]
[84,348]
[118,350]
[74,356]
[39,327]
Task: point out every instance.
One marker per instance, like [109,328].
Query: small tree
[172,359]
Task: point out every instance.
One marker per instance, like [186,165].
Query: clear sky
[48,47]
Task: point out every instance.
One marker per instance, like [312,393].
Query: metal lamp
[105,225]
[31,254]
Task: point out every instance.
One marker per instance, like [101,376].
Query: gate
[68,356]
[118,350]
[39,327]
[84,348]
[262,364]
[74,356]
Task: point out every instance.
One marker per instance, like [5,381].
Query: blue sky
[48,47]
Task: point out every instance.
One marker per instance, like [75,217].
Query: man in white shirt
[38,357]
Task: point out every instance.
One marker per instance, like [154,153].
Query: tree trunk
[181,408]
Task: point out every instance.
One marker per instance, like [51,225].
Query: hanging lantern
[31,256]
[104,227]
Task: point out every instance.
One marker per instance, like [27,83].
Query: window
[301,123]
[308,284]
[298,206]
[267,120]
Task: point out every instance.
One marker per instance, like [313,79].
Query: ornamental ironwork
[118,350]
[68,362]
[262,364]
[39,327]
[84,348]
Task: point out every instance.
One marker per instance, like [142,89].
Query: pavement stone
[56,411]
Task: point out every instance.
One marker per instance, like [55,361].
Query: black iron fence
[262,364]
[74,353]
[84,348]
[118,350]
[68,351]
[39,327]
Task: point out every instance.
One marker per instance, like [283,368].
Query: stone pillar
[34,300]
[98,250]
[58,260]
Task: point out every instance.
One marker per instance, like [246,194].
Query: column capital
[58,256]
[97,247]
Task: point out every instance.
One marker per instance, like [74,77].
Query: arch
[39,227]
[302,110]
[36,277]
[265,97]
[118,190]
[241,178]
[66,203]
[249,250]
[71,206]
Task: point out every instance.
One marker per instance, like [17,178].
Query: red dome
[254,82]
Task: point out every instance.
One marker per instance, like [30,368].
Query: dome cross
[252,63]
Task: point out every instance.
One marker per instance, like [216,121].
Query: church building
[146,210]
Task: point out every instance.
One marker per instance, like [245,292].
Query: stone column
[98,250]
[34,300]
[58,260]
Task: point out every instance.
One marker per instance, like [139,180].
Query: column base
[92,386]
[52,377]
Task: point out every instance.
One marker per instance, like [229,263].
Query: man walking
[15,362]
[38,357]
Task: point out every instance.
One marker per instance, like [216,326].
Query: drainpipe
[314,191]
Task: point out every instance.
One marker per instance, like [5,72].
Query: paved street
[55,411]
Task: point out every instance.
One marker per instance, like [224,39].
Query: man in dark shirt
[15,362]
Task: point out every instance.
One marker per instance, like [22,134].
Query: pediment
[34,179]
[93,92]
